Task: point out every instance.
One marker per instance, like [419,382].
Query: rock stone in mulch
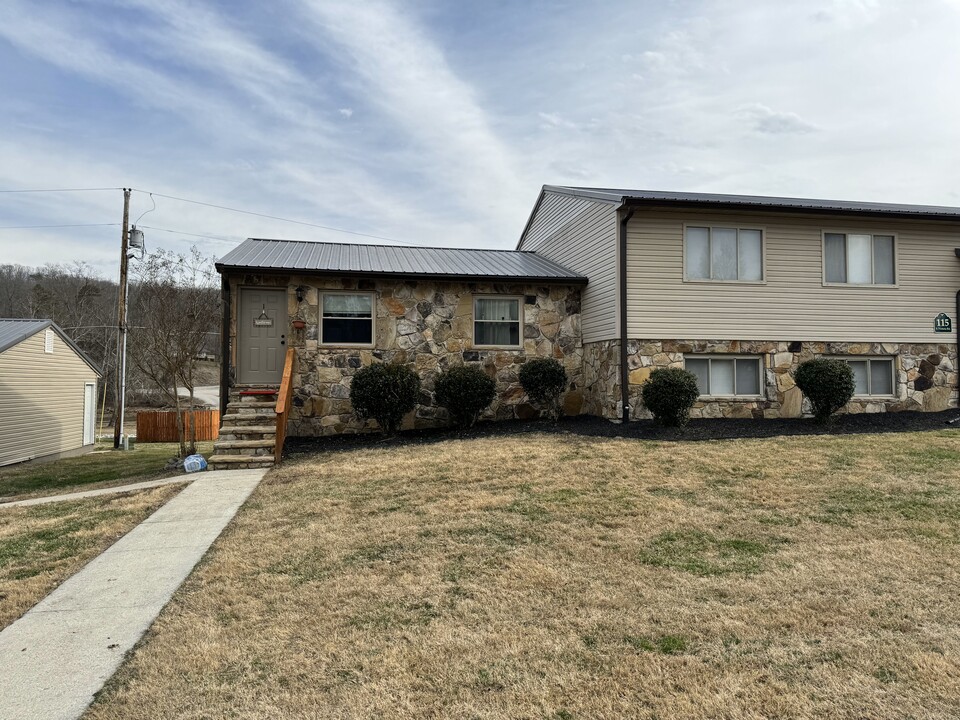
[696,430]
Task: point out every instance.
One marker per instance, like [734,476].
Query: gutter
[625,213]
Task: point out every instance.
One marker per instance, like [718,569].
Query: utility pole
[122,324]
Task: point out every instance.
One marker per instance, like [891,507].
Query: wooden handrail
[284,398]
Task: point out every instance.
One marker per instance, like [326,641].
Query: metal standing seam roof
[14,331]
[399,261]
[938,212]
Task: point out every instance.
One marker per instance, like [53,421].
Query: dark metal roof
[14,331]
[400,261]
[754,202]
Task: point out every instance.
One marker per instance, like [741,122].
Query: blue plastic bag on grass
[193,463]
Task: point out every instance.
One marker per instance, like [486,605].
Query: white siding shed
[48,392]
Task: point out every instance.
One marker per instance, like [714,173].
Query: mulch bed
[696,430]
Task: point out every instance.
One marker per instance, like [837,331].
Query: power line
[59,190]
[37,227]
[274,217]
[219,238]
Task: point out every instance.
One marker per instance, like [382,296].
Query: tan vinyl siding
[581,234]
[793,302]
[41,399]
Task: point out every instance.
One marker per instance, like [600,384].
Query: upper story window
[723,253]
[496,321]
[48,341]
[858,259]
[725,375]
[346,319]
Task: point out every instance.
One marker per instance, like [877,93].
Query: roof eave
[562,280]
[780,208]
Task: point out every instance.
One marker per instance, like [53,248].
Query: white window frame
[873,271]
[473,325]
[710,226]
[761,375]
[48,341]
[891,359]
[373,319]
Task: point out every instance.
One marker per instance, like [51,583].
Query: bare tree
[174,305]
[15,285]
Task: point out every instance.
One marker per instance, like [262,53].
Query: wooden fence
[161,425]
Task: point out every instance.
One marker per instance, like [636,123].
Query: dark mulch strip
[697,430]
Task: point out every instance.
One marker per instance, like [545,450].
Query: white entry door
[89,412]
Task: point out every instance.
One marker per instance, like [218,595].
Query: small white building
[48,393]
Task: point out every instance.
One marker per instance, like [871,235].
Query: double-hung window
[723,253]
[872,376]
[346,319]
[858,259]
[496,321]
[726,376]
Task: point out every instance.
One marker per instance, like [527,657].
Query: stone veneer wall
[601,379]
[926,375]
[429,326]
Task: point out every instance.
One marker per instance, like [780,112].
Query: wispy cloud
[772,122]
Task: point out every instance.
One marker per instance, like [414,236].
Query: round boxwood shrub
[827,383]
[465,391]
[385,393]
[669,394]
[544,380]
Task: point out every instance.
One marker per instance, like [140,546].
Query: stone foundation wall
[601,379]
[925,375]
[427,325]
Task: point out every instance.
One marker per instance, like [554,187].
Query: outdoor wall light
[301,290]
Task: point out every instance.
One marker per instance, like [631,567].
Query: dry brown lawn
[43,545]
[570,577]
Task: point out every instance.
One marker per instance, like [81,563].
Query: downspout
[224,345]
[625,215]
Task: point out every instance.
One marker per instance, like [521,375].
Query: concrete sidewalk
[54,658]
[132,487]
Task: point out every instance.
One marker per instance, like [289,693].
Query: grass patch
[42,545]
[703,553]
[544,576]
[87,472]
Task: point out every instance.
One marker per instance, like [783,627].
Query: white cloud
[346,112]
[773,122]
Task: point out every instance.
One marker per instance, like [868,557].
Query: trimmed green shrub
[669,394]
[544,380]
[385,393]
[465,391]
[827,383]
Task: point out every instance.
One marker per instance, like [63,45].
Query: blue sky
[437,122]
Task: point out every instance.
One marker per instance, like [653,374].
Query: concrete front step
[222,444]
[242,419]
[253,405]
[237,462]
[249,429]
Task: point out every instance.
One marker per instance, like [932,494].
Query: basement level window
[726,375]
[872,376]
[346,319]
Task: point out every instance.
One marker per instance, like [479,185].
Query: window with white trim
[496,321]
[346,319]
[48,342]
[723,253]
[872,376]
[726,375]
[858,259]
